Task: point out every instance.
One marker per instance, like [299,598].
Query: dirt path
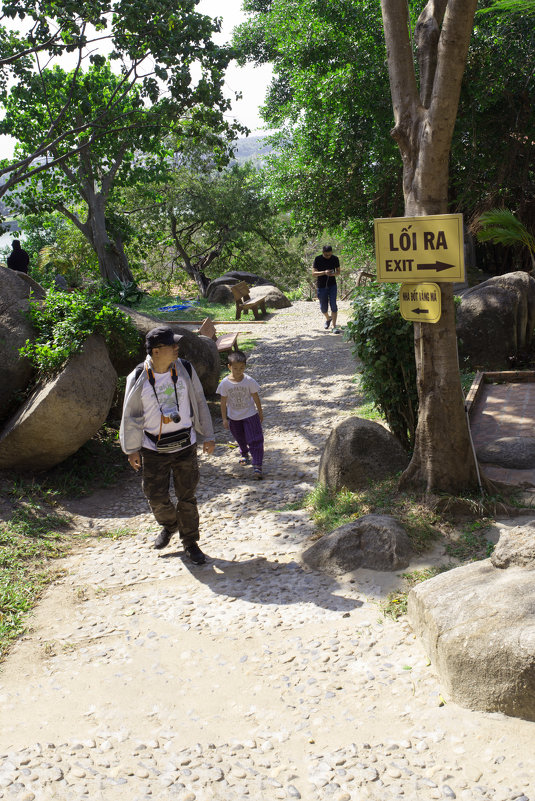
[248,678]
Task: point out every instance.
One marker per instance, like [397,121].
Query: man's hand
[135,460]
[208,446]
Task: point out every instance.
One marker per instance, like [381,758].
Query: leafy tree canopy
[206,222]
[159,52]
[330,100]
[134,145]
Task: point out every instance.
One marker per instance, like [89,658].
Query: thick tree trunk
[443,458]
[112,260]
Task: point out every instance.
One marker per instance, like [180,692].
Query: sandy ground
[145,677]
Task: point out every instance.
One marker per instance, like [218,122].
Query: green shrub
[384,344]
[65,320]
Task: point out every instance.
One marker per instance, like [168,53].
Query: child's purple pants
[249,436]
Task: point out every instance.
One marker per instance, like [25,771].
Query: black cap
[161,336]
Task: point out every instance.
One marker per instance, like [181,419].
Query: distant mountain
[252,148]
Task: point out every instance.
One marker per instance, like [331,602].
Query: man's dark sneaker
[195,554]
[327,323]
[163,539]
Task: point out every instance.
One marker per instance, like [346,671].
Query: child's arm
[224,411]
[258,405]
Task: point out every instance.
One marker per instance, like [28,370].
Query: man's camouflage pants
[184,468]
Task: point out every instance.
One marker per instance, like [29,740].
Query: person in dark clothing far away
[18,259]
[326,268]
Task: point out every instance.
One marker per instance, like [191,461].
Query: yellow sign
[420,302]
[413,249]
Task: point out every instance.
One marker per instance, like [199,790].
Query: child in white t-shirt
[241,411]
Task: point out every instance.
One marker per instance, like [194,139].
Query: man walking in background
[326,268]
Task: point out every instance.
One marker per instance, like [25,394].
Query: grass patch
[423,521]
[29,543]
[331,510]
[396,602]
[152,304]
[36,534]
[471,543]
[368,411]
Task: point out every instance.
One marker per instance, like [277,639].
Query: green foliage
[65,320]
[334,159]
[211,221]
[472,543]
[125,292]
[165,56]
[502,227]
[510,7]
[384,345]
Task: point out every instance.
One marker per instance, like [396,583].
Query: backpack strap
[187,365]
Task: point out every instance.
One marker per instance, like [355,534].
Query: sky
[251,81]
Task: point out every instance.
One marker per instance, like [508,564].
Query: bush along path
[247,678]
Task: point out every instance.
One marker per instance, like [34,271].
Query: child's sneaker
[257,472]
[244,460]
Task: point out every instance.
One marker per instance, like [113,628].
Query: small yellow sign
[420,302]
[413,249]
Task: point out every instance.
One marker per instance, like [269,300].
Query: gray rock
[220,293]
[62,413]
[235,276]
[512,452]
[495,320]
[516,546]
[15,329]
[477,627]
[377,542]
[274,297]
[200,351]
[359,451]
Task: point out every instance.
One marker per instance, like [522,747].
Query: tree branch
[427,34]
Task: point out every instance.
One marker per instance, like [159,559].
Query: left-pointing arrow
[420,311]
[437,266]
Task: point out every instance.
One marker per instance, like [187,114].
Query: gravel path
[145,677]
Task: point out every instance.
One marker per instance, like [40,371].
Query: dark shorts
[327,297]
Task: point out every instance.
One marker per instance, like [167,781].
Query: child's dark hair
[237,356]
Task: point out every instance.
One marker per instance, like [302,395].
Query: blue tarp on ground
[179,306]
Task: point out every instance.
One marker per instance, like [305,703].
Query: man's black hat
[161,336]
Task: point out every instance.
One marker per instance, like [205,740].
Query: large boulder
[15,329]
[495,321]
[358,451]
[478,628]
[200,351]
[62,413]
[220,293]
[274,298]
[377,542]
[235,276]
[517,453]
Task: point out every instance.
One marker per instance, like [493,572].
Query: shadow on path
[263,582]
